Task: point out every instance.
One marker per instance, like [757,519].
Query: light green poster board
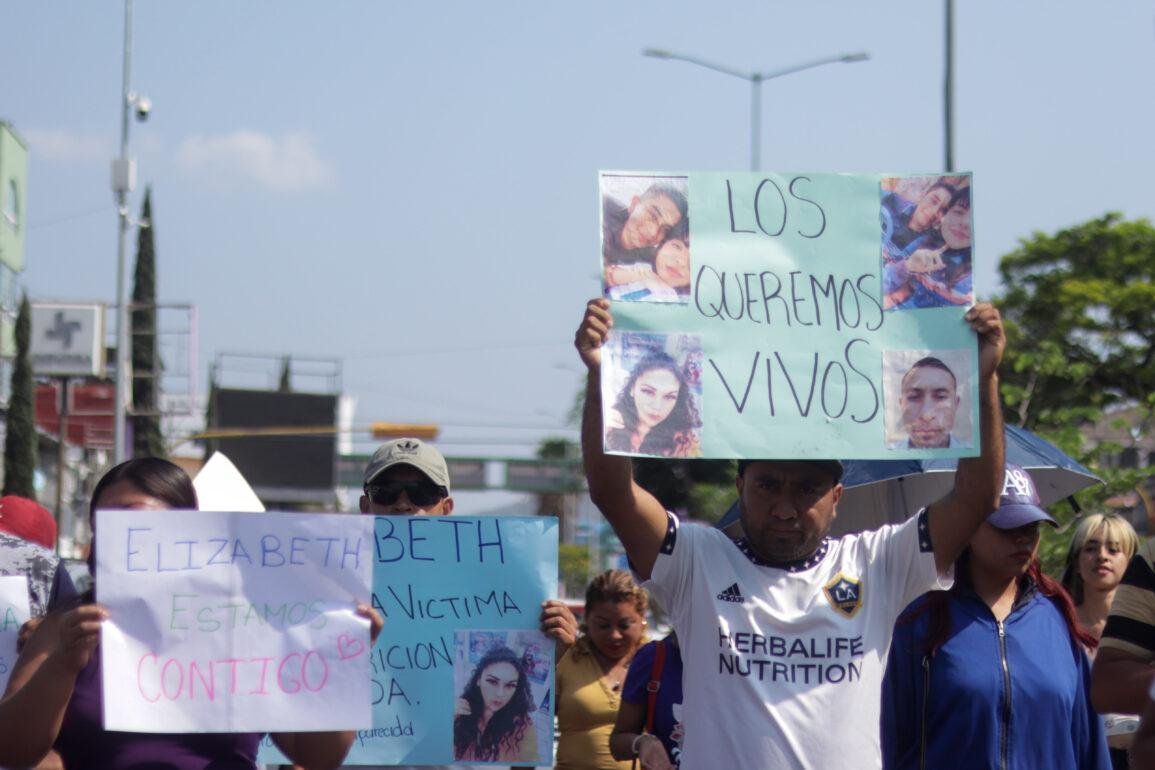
[764,315]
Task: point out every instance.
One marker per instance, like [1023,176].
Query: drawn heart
[348,647]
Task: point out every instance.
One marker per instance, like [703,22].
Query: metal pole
[755,121]
[122,357]
[948,89]
[61,459]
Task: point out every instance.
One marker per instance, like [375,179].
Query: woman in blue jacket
[992,673]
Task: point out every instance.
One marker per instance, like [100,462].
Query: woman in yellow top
[590,675]
[494,716]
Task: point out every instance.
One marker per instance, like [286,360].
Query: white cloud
[62,146]
[289,163]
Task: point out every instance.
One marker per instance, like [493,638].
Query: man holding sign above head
[785,631]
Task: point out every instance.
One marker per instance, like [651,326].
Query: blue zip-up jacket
[1010,696]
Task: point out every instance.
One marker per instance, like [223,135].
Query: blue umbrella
[881,492]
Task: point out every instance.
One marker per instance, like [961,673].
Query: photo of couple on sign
[926,242]
[645,238]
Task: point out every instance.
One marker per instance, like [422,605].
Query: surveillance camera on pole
[143,107]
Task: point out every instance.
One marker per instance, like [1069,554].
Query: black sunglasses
[420,493]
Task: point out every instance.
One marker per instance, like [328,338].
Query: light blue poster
[763,315]
[461,597]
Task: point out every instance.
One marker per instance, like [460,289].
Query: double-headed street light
[756,79]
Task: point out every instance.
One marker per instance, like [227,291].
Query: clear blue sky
[411,187]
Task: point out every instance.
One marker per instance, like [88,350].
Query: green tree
[1079,308]
[147,439]
[573,566]
[20,440]
[1080,312]
[702,489]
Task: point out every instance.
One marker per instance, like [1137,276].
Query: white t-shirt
[783,666]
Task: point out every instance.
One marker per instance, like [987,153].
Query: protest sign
[762,315]
[234,622]
[452,589]
[14,612]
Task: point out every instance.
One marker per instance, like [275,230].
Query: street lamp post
[756,79]
[123,181]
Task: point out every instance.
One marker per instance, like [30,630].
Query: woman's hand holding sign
[79,635]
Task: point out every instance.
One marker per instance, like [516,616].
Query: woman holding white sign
[54,698]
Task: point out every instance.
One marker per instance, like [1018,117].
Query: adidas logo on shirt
[732,594]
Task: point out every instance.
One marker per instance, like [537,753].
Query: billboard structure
[284,466]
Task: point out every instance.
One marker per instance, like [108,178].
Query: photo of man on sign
[923,402]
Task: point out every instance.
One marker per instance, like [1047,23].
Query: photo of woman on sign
[654,413]
[493,717]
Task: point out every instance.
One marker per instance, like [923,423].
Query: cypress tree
[147,440]
[20,440]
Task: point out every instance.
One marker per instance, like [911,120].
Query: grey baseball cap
[408,451]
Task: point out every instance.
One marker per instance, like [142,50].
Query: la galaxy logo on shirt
[844,594]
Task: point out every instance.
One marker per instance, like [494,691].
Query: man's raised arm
[978,482]
[638,519]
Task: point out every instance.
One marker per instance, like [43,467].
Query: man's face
[787,507]
[928,401]
[405,491]
[650,218]
[930,209]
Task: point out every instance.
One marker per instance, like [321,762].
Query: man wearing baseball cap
[406,476]
[784,630]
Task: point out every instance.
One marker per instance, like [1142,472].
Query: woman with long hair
[55,699]
[1100,551]
[992,673]
[590,676]
[654,413]
[494,715]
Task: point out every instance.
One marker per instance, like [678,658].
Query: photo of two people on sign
[502,707]
[645,238]
[926,242]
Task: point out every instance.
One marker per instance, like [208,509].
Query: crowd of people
[937,642]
